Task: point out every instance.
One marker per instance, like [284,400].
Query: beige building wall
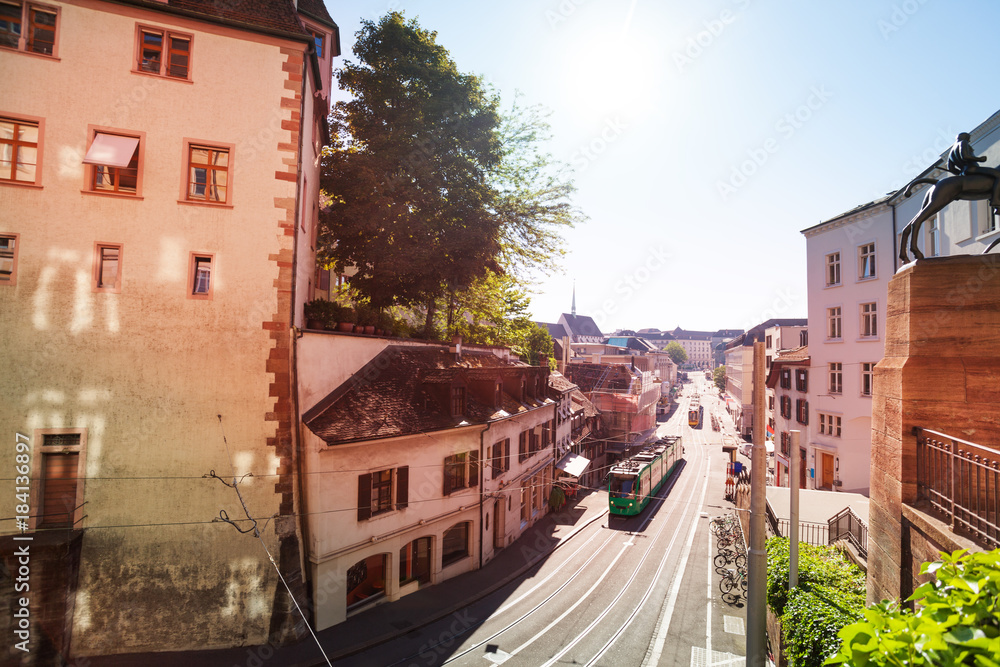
[164,387]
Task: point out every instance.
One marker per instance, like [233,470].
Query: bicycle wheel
[727,583]
[721,560]
[741,561]
[744,584]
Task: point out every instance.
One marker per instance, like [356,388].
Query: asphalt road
[625,591]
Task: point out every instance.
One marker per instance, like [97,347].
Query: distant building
[739,369]
[788,409]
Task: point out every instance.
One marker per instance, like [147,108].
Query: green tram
[635,481]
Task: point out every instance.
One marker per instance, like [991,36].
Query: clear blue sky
[706,135]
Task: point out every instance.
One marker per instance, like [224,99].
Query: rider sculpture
[969,182]
[962,161]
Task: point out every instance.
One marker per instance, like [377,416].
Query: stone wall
[941,371]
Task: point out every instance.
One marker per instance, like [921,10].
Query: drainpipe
[895,250]
[482,488]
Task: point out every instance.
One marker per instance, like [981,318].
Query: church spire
[573,309]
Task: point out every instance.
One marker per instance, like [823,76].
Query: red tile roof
[259,15]
[404,390]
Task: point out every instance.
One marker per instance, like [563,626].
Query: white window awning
[111,150]
[573,464]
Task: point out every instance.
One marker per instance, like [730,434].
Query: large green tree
[676,352]
[431,186]
[407,174]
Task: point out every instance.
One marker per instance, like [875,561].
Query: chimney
[456,347]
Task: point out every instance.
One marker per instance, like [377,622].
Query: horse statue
[970,183]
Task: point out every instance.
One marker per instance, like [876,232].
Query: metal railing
[961,480]
[816,534]
[847,525]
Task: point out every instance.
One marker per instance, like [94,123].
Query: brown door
[802,468]
[498,522]
[827,478]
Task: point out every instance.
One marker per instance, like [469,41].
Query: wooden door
[827,474]
[498,523]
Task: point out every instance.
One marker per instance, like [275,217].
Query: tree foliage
[957,622]
[411,206]
[494,311]
[719,377]
[676,352]
[430,186]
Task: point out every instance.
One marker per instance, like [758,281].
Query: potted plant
[318,313]
[367,316]
[346,320]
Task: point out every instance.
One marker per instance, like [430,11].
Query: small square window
[163,52]
[19,156]
[115,161]
[200,280]
[866,261]
[29,27]
[833,269]
[8,259]
[207,175]
[107,267]
[318,39]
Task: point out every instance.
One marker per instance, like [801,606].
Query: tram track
[687,487]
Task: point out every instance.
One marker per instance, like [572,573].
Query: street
[623,591]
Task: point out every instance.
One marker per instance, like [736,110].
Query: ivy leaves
[957,622]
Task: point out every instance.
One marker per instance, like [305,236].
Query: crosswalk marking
[703,658]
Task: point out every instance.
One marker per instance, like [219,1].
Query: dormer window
[524,389]
[498,394]
[457,401]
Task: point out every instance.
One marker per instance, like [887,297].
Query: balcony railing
[848,526]
[811,533]
[962,481]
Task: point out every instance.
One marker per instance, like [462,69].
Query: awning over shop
[573,464]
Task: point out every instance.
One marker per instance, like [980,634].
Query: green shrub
[327,312]
[829,596]
[957,623]
[818,565]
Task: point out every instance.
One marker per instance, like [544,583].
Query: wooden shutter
[59,494]
[473,469]
[447,476]
[506,454]
[402,487]
[364,496]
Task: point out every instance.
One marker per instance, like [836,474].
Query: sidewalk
[393,619]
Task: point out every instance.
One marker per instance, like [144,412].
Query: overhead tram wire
[260,538]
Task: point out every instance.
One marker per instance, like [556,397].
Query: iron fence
[845,524]
[961,480]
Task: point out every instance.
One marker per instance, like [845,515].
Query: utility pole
[757,561]
[793,503]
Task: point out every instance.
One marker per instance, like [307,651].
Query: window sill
[834,340]
[206,204]
[161,76]
[867,279]
[34,54]
[987,235]
[868,339]
[22,184]
[832,285]
[116,195]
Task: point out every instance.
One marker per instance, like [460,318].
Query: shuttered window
[382,491]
